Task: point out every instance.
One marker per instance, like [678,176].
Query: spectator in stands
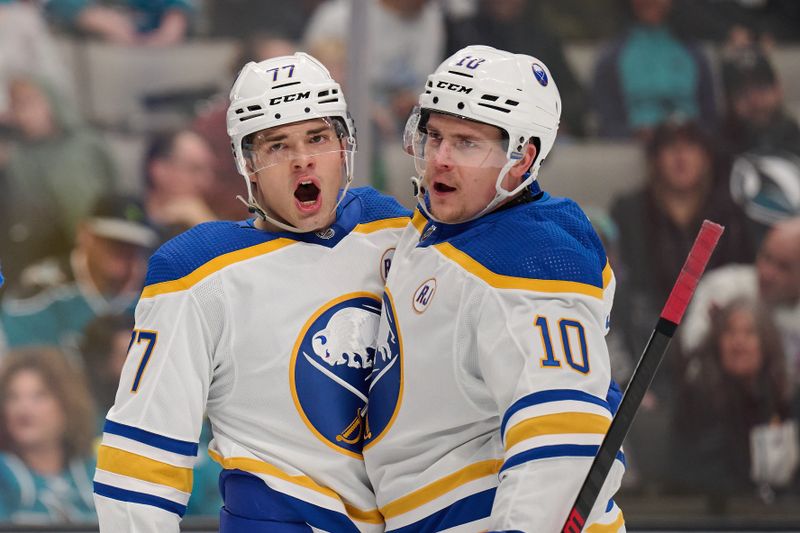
[734,382]
[55,173]
[103,349]
[518,26]
[774,279]
[46,433]
[211,124]
[762,139]
[755,115]
[27,47]
[407,42]
[52,301]
[128,22]
[179,174]
[658,224]
[649,74]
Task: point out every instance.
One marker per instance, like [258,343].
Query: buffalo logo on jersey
[386,382]
[331,364]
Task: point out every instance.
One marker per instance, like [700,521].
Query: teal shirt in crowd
[659,77]
[27,497]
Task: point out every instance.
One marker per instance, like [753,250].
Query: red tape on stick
[692,269]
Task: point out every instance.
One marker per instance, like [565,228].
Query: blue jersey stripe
[181,447]
[131,496]
[464,511]
[554,395]
[557,450]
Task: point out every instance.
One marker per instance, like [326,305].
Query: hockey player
[491,389]
[268,324]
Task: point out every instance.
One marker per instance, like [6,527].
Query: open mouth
[307,193]
[442,188]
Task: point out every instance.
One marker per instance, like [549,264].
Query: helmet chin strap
[500,196]
[260,212]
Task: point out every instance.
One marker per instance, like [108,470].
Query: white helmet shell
[283,90]
[514,92]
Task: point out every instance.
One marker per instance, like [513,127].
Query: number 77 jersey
[273,336]
[491,390]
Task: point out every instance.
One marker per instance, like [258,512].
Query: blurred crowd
[692,84]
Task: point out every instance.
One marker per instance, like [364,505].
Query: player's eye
[319,138]
[434,137]
[467,144]
[276,147]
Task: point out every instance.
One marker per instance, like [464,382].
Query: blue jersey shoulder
[194,248]
[551,239]
[376,205]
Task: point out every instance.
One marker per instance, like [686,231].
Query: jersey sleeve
[150,438]
[544,359]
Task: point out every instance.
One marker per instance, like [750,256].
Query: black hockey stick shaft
[640,381]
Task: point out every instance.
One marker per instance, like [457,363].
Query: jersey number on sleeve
[573,343]
[150,338]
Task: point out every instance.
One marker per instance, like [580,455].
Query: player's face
[298,173]
[462,162]
[33,414]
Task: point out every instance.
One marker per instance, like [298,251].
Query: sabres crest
[332,362]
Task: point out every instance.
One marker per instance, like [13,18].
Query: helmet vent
[430,84]
[329,100]
[460,73]
[490,97]
[334,91]
[240,111]
[496,108]
[251,116]
[512,103]
[323,93]
[254,108]
[286,84]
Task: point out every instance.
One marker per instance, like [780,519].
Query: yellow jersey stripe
[387,223]
[607,273]
[613,527]
[419,221]
[137,466]
[556,424]
[260,467]
[501,281]
[214,265]
[440,487]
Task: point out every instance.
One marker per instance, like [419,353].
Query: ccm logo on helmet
[454,87]
[289,98]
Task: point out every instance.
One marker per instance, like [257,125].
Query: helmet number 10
[471,62]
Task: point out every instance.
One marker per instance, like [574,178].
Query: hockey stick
[653,353]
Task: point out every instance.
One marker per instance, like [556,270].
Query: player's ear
[528,157]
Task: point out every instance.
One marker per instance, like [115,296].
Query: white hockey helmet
[283,90]
[514,92]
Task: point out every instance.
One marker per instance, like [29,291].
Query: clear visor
[451,145]
[315,138]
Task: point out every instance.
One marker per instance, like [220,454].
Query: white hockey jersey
[491,390]
[273,334]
